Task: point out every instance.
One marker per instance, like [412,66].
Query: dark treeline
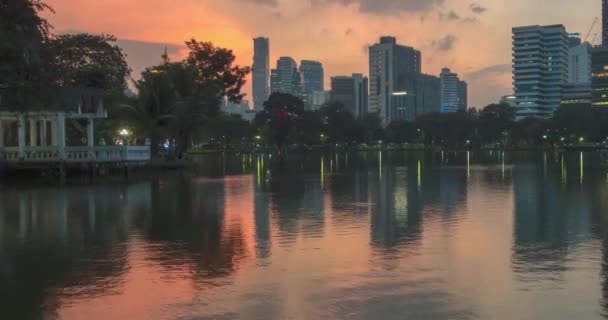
[177,104]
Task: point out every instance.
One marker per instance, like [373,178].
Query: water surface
[389,235]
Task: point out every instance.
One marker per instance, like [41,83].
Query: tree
[369,128]
[401,131]
[90,61]
[338,121]
[23,55]
[529,131]
[494,121]
[282,113]
[448,129]
[214,76]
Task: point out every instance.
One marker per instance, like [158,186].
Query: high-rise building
[352,92]
[605,22]
[449,91]
[463,95]
[574,39]
[312,76]
[428,95]
[260,72]
[286,78]
[599,77]
[579,64]
[319,99]
[392,70]
[540,69]
[510,100]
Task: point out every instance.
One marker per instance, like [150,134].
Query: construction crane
[590,29]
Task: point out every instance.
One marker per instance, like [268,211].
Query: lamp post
[124,134]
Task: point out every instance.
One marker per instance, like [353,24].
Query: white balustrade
[76,154]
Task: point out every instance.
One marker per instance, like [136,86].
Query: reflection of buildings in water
[296,200]
[600,217]
[402,195]
[194,225]
[549,219]
[66,239]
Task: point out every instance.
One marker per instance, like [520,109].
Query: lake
[378,235]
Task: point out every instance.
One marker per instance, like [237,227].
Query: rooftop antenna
[165,56]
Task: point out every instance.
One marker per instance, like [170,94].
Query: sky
[472,37]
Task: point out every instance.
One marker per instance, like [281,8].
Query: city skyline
[470,37]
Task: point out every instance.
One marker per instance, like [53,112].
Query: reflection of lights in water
[259,169]
[582,167]
[419,173]
[564,171]
[322,172]
[545,163]
[503,164]
[442,157]
[468,164]
[380,164]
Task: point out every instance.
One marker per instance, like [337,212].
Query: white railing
[76,154]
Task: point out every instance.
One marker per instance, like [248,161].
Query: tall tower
[261,72]
[449,91]
[540,69]
[605,22]
[313,79]
[393,70]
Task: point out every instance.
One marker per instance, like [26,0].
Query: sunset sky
[472,37]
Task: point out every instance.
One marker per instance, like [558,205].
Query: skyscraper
[286,78]
[605,22]
[352,92]
[579,65]
[428,95]
[260,72]
[599,77]
[540,69]
[313,81]
[463,95]
[449,91]
[393,70]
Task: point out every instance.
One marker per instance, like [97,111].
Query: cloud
[495,70]
[143,54]
[450,16]
[386,7]
[477,8]
[470,20]
[348,31]
[272,3]
[445,44]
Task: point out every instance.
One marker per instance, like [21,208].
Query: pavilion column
[90,132]
[33,132]
[54,133]
[60,134]
[43,134]
[21,136]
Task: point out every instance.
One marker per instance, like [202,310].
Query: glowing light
[400,93]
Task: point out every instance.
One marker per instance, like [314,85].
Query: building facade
[319,99]
[313,80]
[352,92]
[428,95]
[463,95]
[260,74]
[286,78]
[599,77]
[449,91]
[579,64]
[604,22]
[540,69]
[392,74]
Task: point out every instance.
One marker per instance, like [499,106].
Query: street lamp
[124,134]
[581,139]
